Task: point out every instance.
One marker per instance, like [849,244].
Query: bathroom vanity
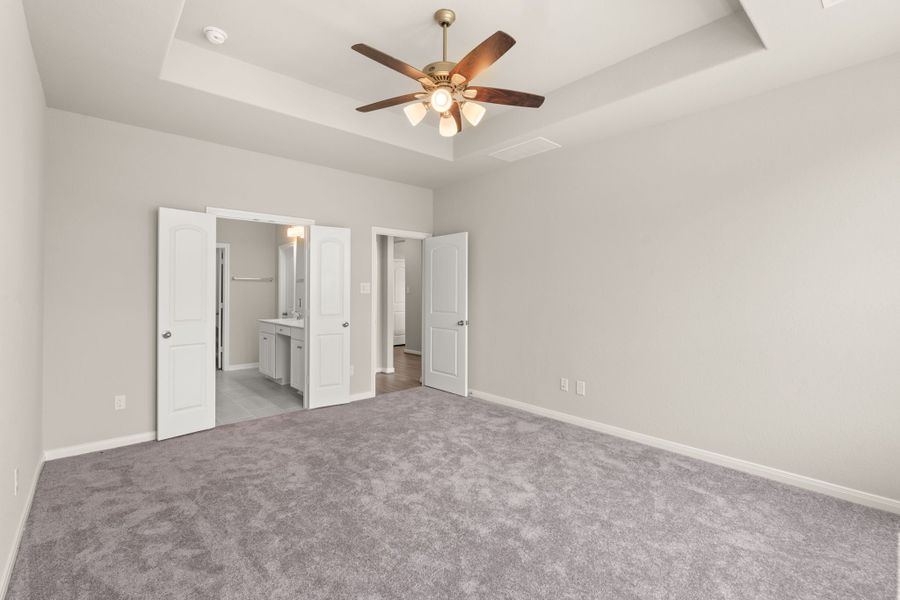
[282,351]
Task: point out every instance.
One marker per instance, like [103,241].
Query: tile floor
[246,394]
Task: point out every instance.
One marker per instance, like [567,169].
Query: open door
[445,260]
[186,346]
[328,316]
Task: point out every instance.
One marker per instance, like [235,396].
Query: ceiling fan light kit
[446,84]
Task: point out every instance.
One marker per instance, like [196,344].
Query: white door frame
[226,307]
[390,232]
[243,215]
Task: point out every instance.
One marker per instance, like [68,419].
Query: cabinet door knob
[166,334]
[345,324]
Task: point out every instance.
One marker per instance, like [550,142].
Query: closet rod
[235,278]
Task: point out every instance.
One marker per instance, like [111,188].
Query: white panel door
[399,301]
[186,346]
[328,317]
[446,265]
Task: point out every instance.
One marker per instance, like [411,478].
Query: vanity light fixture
[296,232]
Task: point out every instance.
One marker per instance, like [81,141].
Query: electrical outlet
[119,403]
[563,384]
[16,481]
[580,388]
[365,287]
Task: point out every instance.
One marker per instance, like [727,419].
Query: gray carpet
[418,495]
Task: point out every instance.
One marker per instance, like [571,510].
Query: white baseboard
[416,352]
[125,440]
[20,529]
[362,395]
[241,367]
[801,481]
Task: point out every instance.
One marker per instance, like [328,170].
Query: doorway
[397,309]
[256,283]
[308,351]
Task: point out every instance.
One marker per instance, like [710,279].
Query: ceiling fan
[445,84]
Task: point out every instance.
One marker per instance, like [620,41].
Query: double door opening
[187,345]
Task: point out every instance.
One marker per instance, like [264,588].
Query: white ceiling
[286,82]
[311,41]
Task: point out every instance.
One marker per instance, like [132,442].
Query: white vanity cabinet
[281,351]
[274,353]
[267,354]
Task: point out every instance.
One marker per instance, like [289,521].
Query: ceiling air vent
[525,149]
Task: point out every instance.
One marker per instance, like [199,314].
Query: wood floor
[407,371]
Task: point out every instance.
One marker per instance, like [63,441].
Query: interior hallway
[407,372]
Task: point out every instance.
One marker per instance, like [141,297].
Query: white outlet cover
[119,402]
[564,384]
[365,288]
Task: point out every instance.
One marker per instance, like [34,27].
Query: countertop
[284,322]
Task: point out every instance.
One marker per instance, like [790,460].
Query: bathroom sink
[284,322]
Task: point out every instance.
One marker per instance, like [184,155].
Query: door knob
[462,323]
[345,324]
[166,334]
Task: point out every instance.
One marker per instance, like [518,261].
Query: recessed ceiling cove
[292,57]
[285,81]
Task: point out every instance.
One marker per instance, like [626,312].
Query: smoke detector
[215,35]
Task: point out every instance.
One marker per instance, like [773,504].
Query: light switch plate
[580,388]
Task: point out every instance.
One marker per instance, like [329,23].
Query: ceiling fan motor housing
[439,71]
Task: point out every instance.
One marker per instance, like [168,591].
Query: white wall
[412,253]
[21,157]
[253,252]
[730,281]
[104,183]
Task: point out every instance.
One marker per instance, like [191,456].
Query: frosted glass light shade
[441,99]
[448,126]
[295,232]
[415,113]
[473,112]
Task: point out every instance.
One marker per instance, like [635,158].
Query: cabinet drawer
[297,334]
[267,328]
[282,330]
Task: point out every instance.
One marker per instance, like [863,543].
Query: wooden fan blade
[393,63]
[389,102]
[510,97]
[483,55]
[454,112]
